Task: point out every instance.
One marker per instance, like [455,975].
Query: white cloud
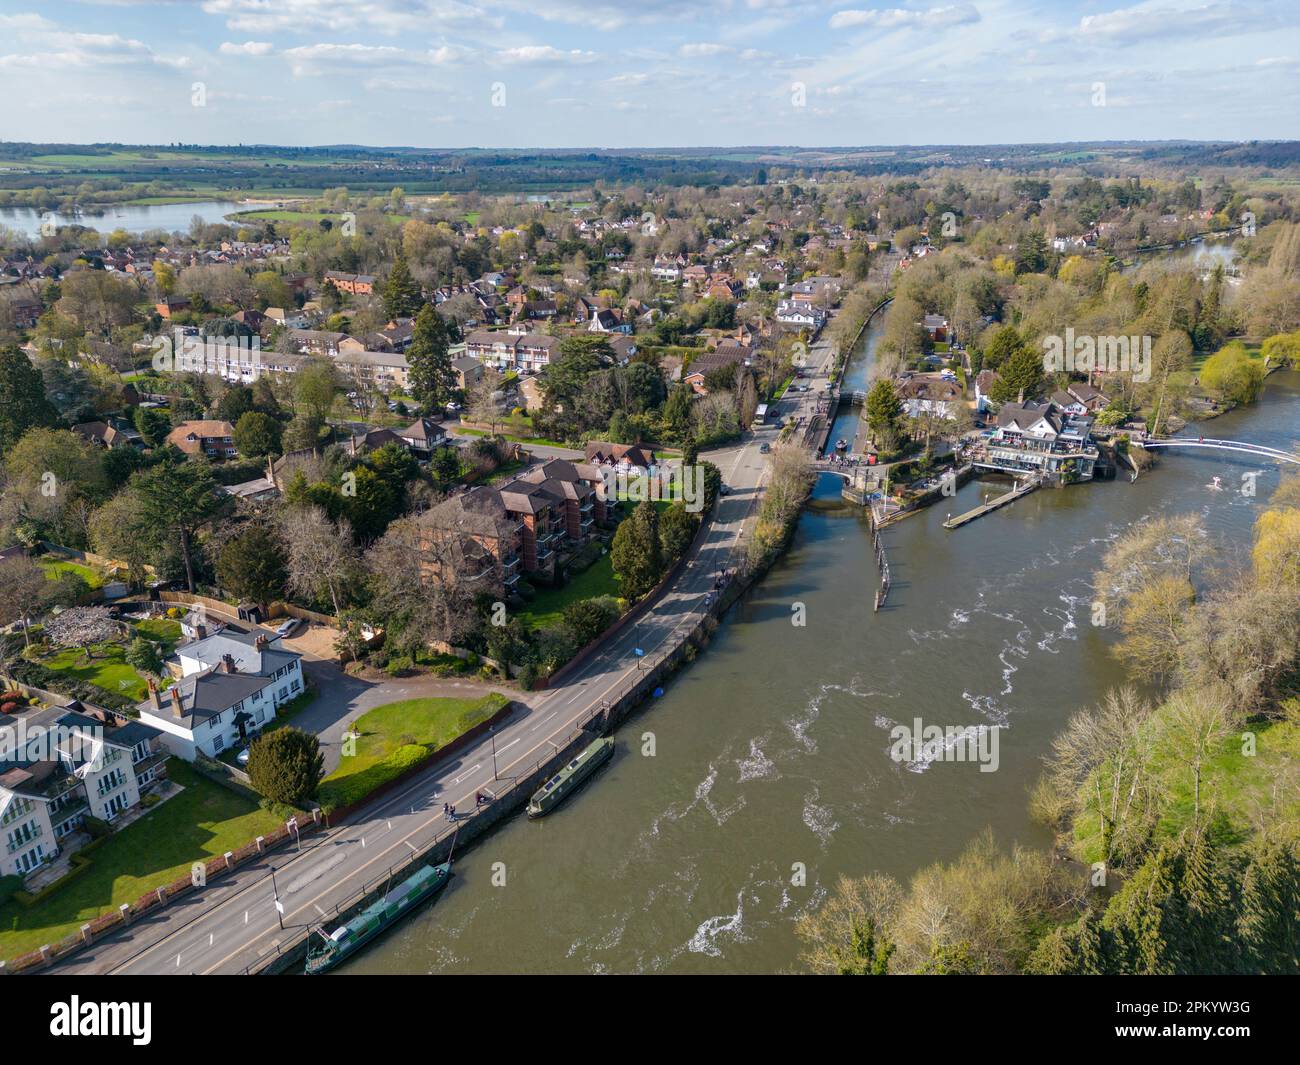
[247,48]
[695,51]
[543,53]
[898,18]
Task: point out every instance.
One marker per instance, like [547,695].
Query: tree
[152,424]
[402,297]
[586,619]
[178,496]
[81,626]
[23,404]
[257,434]
[847,935]
[636,554]
[142,656]
[1232,375]
[1020,377]
[235,403]
[252,566]
[22,586]
[321,559]
[315,387]
[1276,555]
[676,531]
[286,765]
[432,379]
[885,418]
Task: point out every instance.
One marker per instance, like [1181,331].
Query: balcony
[510,564]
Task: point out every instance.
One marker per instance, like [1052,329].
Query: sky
[647,73]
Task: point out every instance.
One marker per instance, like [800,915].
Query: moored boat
[326,950]
[570,778]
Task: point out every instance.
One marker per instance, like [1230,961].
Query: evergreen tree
[22,398]
[252,565]
[431,377]
[402,296]
[885,417]
[286,765]
[636,553]
[1020,377]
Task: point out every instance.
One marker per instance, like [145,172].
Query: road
[229,926]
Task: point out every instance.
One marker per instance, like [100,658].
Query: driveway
[341,699]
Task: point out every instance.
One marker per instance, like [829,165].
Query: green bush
[399,666]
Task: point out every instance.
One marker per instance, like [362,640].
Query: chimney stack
[227,664]
[200,631]
[177,709]
[259,642]
[155,700]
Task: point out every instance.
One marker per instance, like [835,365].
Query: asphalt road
[232,924]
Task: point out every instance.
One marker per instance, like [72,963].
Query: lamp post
[492,734]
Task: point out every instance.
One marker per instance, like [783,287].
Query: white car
[286,628]
[242,757]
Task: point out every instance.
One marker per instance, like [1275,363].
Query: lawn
[202,822]
[54,567]
[547,607]
[396,736]
[161,631]
[107,669]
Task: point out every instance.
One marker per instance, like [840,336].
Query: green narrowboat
[325,951]
[570,778]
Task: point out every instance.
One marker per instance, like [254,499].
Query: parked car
[287,628]
[764,448]
[242,758]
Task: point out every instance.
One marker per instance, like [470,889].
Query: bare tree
[321,558]
[81,626]
[22,585]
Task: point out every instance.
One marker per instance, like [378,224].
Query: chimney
[177,709]
[200,631]
[155,700]
[259,641]
[227,664]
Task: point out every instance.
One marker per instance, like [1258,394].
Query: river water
[772,749]
[134,218]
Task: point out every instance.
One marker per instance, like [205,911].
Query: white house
[231,685]
[63,765]
[797,312]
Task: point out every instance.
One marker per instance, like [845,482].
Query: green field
[204,821]
[53,567]
[399,735]
[547,608]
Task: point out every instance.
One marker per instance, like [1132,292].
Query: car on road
[287,628]
[764,448]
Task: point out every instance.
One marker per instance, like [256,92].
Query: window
[294,686]
[218,742]
[259,715]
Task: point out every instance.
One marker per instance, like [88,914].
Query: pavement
[234,923]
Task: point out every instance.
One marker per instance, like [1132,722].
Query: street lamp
[492,734]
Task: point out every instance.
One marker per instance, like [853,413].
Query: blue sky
[623,73]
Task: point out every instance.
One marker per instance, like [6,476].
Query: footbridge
[1244,447]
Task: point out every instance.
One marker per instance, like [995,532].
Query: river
[772,749]
[134,218]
